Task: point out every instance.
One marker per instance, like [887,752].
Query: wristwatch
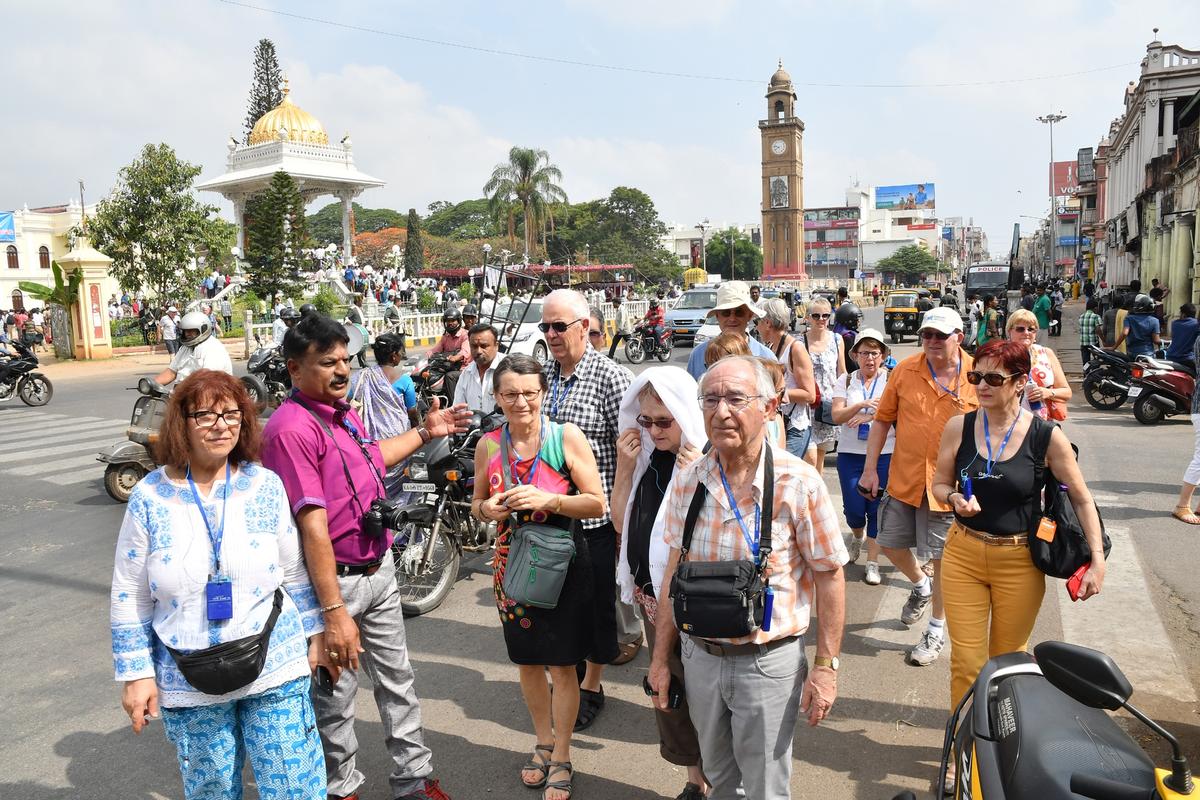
[822,661]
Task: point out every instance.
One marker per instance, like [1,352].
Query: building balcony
[780,122]
[1088,216]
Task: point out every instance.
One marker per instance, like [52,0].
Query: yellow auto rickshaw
[900,314]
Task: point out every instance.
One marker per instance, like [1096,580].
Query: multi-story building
[831,242]
[39,236]
[687,242]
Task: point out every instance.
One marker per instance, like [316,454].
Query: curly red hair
[203,389]
[1013,356]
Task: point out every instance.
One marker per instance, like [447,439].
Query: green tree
[470,219]
[623,228]
[414,254]
[747,256]
[909,262]
[325,226]
[276,230]
[63,293]
[265,89]
[530,180]
[153,227]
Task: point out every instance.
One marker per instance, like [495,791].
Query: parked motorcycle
[18,379]
[436,527]
[1160,389]
[436,378]
[645,343]
[1106,378]
[130,460]
[1034,726]
[267,378]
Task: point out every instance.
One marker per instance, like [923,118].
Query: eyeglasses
[1024,329]
[207,418]
[740,311]
[868,354]
[661,424]
[512,397]
[928,334]
[557,327]
[596,334]
[815,315]
[736,402]
[990,378]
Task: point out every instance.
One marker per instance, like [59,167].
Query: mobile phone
[674,691]
[324,681]
[864,491]
[1075,582]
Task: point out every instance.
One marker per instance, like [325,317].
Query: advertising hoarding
[1064,180]
[904,197]
[8,232]
[923,226]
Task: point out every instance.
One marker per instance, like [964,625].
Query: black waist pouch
[232,665]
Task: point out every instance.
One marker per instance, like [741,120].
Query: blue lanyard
[537,459]
[987,438]
[952,392]
[751,541]
[215,538]
[873,384]
[555,397]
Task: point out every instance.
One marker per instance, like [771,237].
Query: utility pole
[703,225]
[1050,119]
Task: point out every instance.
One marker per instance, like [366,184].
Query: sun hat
[872,334]
[732,294]
[942,319]
[172,308]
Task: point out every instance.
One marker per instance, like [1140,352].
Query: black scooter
[1106,379]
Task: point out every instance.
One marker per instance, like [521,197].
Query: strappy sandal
[560,785]
[543,766]
[1185,514]
[590,704]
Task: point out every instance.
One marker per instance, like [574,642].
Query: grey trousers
[745,708]
[374,602]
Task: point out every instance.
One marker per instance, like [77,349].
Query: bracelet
[426,436]
[333,607]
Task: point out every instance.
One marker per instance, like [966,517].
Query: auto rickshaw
[900,314]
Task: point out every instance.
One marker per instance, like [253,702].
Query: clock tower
[782,182]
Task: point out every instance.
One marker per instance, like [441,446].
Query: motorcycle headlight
[418,472]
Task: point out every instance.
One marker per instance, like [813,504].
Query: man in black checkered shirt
[586,389]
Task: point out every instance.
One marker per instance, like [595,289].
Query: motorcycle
[1106,378]
[437,377]
[645,343]
[1034,726]
[267,379]
[1160,389]
[18,379]
[436,527]
[132,459]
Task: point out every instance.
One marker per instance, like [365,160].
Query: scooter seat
[1045,736]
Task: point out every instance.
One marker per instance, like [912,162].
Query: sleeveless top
[798,415]
[1009,500]
[1042,374]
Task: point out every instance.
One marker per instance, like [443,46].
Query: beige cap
[732,294]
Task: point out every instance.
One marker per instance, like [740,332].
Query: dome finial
[781,63]
[283,87]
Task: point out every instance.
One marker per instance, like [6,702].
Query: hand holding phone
[1075,582]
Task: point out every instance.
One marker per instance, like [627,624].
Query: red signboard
[822,224]
[923,226]
[97,314]
[1064,179]
[848,245]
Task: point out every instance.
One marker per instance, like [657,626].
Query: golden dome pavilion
[300,125]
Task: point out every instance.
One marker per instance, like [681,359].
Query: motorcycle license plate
[898,326]
[418,487]
[1134,391]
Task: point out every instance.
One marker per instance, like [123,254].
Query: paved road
[67,738]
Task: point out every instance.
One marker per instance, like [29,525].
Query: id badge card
[218,598]
[864,431]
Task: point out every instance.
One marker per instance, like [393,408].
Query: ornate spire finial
[283,87]
[781,60]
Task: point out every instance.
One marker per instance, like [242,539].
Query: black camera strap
[345,467]
[768,511]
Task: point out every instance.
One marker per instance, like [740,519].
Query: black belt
[750,648]
[344,570]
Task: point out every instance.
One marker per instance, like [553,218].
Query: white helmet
[194,321]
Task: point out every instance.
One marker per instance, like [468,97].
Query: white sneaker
[871,578]
[854,547]
[927,650]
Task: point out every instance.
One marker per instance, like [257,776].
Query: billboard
[1064,180]
[904,198]
[8,233]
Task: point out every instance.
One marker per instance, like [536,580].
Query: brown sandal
[542,766]
[1185,514]
[562,785]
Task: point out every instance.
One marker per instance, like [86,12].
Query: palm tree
[530,180]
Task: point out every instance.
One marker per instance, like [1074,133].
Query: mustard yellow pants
[992,593]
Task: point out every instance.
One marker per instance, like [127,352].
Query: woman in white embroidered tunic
[207,526]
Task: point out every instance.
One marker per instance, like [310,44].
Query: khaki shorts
[902,525]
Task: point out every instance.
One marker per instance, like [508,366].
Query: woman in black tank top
[985,471]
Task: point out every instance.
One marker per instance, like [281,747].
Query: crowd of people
[629,489]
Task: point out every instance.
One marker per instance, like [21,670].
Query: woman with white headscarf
[661,430]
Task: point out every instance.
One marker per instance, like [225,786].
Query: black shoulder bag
[723,599]
[1068,549]
[230,666]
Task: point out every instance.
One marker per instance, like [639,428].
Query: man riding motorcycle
[656,319]
[198,349]
[454,340]
[286,319]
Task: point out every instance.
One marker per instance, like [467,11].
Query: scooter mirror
[1085,675]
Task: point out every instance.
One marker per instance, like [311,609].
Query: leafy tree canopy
[470,219]
[375,247]
[909,261]
[747,256]
[325,226]
[265,92]
[414,254]
[276,230]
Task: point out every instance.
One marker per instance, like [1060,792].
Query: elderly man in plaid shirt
[586,389]
[746,694]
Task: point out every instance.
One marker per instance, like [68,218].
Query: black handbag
[1068,550]
[722,599]
[229,666]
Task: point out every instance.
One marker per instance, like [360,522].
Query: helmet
[195,321]
[469,310]
[308,308]
[654,302]
[451,315]
[1142,304]
[848,316]
[289,314]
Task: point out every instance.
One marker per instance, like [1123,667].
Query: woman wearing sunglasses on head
[662,430]
[828,364]
[985,470]
[1048,391]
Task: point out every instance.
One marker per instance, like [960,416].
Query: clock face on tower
[778,146]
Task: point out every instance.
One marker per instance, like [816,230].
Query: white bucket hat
[732,294]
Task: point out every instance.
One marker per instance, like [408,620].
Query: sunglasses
[661,424]
[557,327]
[596,334]
[1024,329]
[820,316]
[928,334]
[740,311]
[993,379]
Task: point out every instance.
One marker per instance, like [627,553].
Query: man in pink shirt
[455,340]
[332,473]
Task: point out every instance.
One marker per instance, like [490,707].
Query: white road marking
[58,465]
[78,476]
[18,417]
[84,443]
[61,436]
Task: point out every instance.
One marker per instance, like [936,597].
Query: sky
[663,95]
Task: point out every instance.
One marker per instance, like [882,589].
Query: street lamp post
[703,225]
[732,274]
[1050,119]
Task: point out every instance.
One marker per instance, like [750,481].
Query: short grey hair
[595,311]
[570,298]
[764,383]
[776,313]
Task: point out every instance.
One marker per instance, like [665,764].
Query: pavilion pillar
[347,228]
[239,214]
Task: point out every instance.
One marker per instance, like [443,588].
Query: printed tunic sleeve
[131,610]
[291,560]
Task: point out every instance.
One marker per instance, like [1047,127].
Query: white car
[709,330]
[518,327]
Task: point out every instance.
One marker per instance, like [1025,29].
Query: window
[13,261]
[44,257]
[778,109]
[18,300]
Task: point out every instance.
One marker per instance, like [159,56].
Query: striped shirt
[805,533]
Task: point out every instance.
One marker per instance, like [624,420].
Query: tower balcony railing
[767,123]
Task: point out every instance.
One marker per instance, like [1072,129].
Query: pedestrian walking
[168,329]
[1191,476]
[624,325]
[1091,330]
[210,510]
[826,349]
[798,375]
[227,314]
[1042,307]
[1047,392]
